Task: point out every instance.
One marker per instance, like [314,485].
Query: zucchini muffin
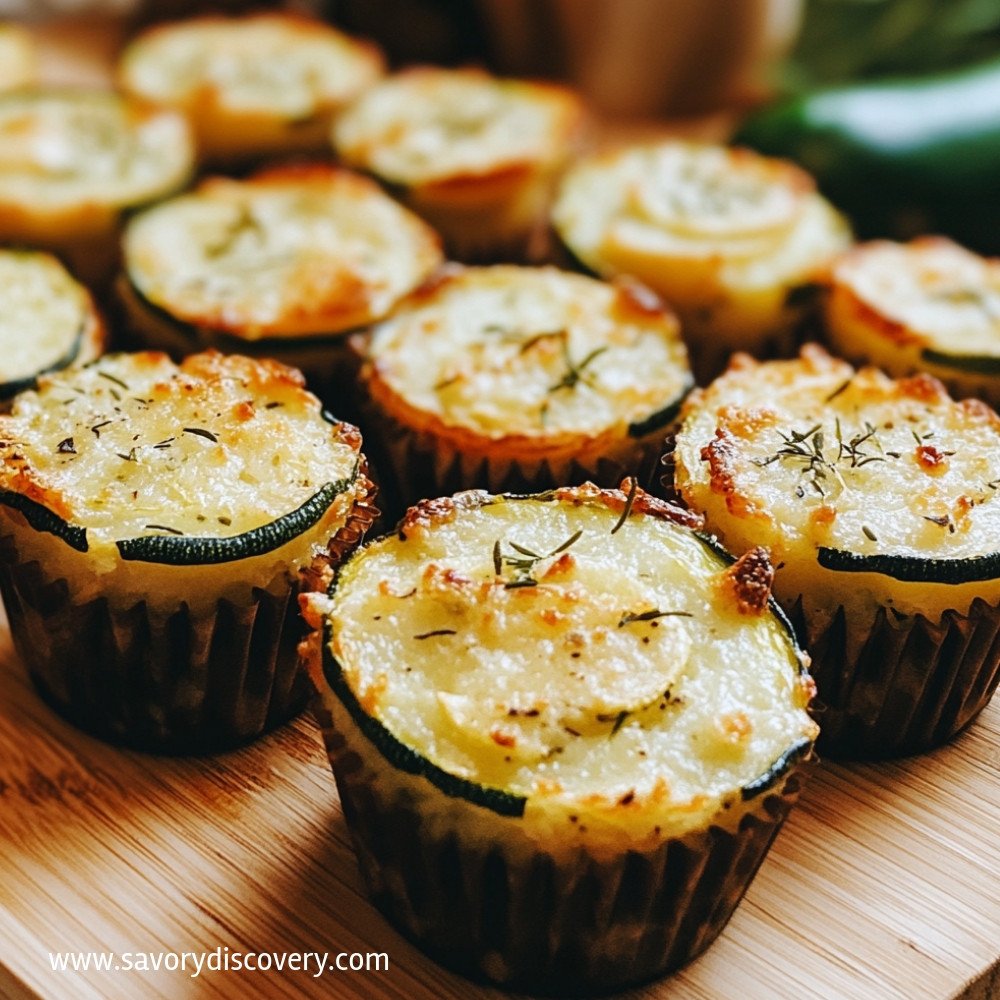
[281,265]
[473,154]
[18,57]
[73,161]
[516,379]
[565,729]
[47,320]
[253,85]
[154,520]
[879,503]
[734,241]
[927,305]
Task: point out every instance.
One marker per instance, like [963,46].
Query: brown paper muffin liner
[415,465]
[170,682]
[912,685]
[483,899]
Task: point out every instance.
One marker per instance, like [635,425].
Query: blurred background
[632,57]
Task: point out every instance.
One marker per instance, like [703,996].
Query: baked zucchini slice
[254,85]
[729,238]
[523,695]
[48,321]
[879,501]
[518,379]
[927,305]
[217,461]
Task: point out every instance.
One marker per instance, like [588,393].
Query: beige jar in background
[644,58]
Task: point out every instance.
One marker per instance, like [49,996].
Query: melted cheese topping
[519,351]
[291,251]
[690,219]
[624,680]
[44,314]
[18,57]
[807,453]
[135,445]
[930,292]
[63,149]
[431,125]
[289,67]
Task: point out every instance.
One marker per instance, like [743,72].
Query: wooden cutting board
[884,883]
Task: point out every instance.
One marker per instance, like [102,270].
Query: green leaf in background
[846,40]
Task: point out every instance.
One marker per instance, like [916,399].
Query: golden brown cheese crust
[74,159]
[500,639]
[459,134]
[808,455]
[290,252]
[136,445]
[250,84]
[514,361]
[913,306]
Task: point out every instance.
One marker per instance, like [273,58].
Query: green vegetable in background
[900,157]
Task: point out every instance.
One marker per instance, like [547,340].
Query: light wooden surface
[885,883]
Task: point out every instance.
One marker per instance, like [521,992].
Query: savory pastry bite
[927,305]
[565,729]
[48,321]
[734,241]
[516,378]
[281,265]
[258,84]
[18,57]
[878,501]
[473,154]
[72,161]
[154,520]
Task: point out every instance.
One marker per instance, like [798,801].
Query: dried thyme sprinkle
[619,720]
[627,509]
[66,447]
[274,404]
[840,388]
[868,533]
[117,381]
[201,432]
[163,527]
[524,561]
[130,457]
[96,429]
[648,616]
[165,443]
[437,631]
[575,371]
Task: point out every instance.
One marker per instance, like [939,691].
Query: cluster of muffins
[564,722]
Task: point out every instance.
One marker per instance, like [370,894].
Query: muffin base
[912,685]
[167,681]
[480,897]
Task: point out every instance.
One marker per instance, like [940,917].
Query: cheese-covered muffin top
[135,445]
[276,64]
[808,454]
[429,126]
[750,219]
[291,251]
[535,352]
[18,57]
[67,149]
[583,650]
[930,292]
[47,320]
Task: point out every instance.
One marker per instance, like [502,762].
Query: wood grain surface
[885,883]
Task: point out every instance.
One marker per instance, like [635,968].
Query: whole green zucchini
[901,157]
